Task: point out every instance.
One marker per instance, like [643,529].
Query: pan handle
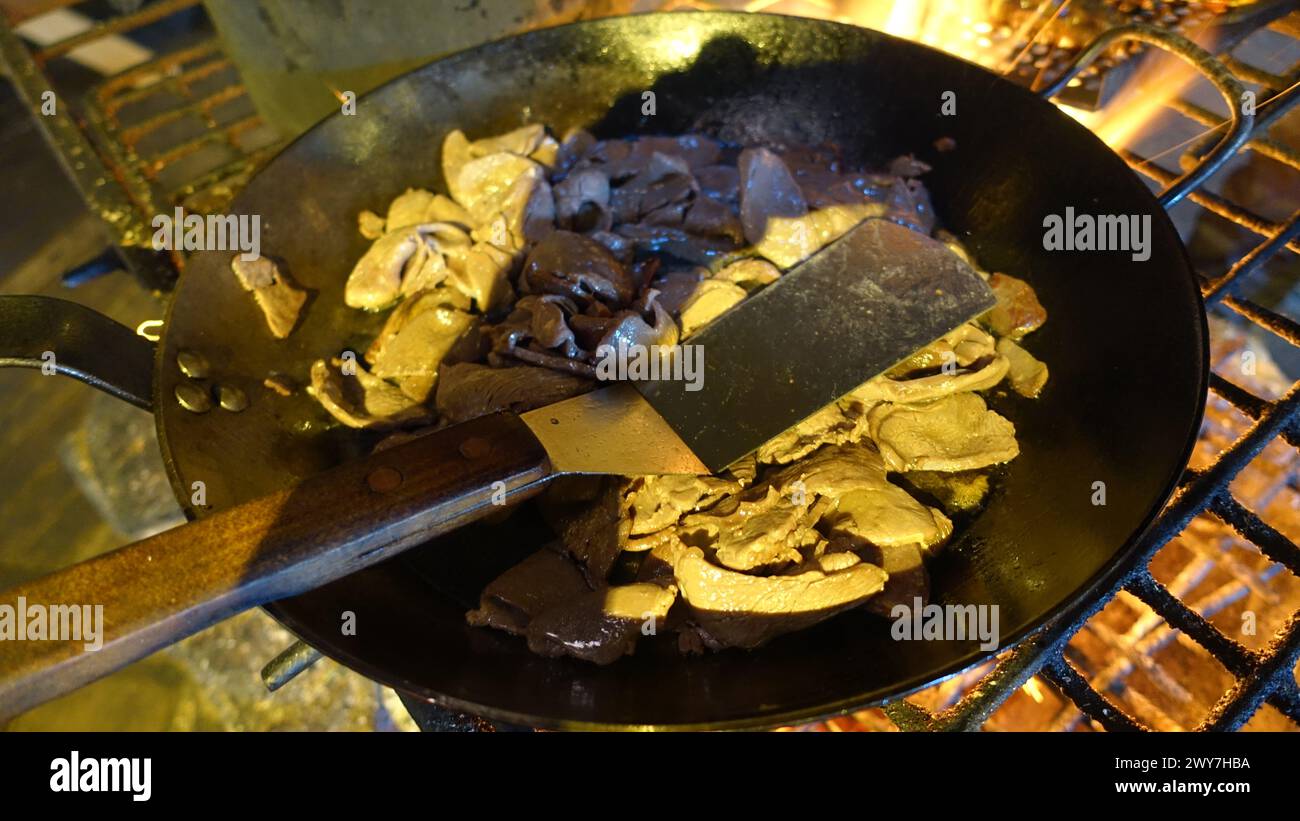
[1240,123]
[142,597]
[57,335]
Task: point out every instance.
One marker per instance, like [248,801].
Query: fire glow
[967,29]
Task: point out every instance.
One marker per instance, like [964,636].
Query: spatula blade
[851,311]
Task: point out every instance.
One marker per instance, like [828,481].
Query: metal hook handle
[1241,124]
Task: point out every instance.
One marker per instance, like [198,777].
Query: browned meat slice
[660,501]
[712,218]
[759,528]
[514,598]
[603,625]
[767,190]
[572,265]
[870,508]
[790,240]
[414,340]
[363,400]
[738,610]
[625,158]
[467,390]
[416,206]
[273,291]
[582,201]
[593,533]
[908,577]
[1018,311]
[721,182]
[648,324]
[1026,374]
[886,516]
[957,432]
[983,373]
[834,470]
[837,423]
[961,347]
[710,300]
[750,273]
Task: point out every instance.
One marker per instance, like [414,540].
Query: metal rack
[1263,675]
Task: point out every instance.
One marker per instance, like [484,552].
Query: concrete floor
[48,425]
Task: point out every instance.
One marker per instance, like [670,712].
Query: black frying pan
[1125,341]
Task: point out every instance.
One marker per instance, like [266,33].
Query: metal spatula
[848,313]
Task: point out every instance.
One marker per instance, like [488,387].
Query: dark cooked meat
[603,625]
[467,390]
[514,598]
[575,266]
[767,190]
[593,533]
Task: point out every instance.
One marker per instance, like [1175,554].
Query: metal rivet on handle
[192,364]
[384,479]
[232,398]
[193,398]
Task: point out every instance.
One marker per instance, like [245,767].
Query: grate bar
[1286,701]
[1238,704]
[1251,405]
[1284,327]
[1093,704]
[1270,542]
[113,25]
[1252,261]
[1210,202]
[1236,658]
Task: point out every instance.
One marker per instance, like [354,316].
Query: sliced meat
[738,610]
[981,375]
[377,278]
[885,516]
[593,533]
[660,501]
[957,432]
[837,423]
[603,625]
[582,200]
[572,265]
[1026,374]
[908,578]
[467,390]
[363,400]
[710,300]
[767,190]
[958,492]
[543,580]
[414,340]
[1018,311]
[750,274]
[961,347]
[790,240]
[756,529]
[279,299]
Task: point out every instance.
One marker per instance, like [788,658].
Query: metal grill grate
[178,130]
[1260,675]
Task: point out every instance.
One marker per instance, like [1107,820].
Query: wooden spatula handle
[159,590]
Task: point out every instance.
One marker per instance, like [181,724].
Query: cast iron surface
[1125,341]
